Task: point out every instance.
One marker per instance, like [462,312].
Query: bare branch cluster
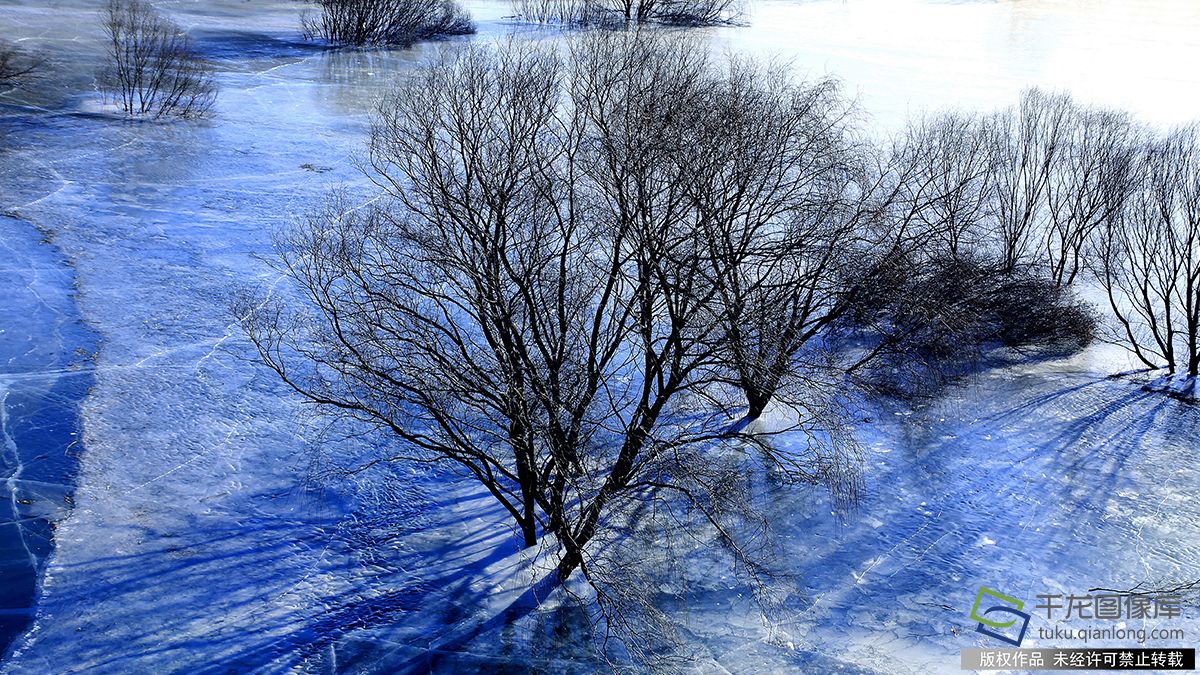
[16,66]
[385,22]
[1030,185]
[626,12]
[1147,256]
[154,70]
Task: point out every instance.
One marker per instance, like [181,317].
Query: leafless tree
[1148,257]
[536,304]
[775,177]
[153,71]
[948,174]
[1029,140]
[385,22]
[1088,186]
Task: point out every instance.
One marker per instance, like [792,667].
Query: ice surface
[200,538]
[44,373]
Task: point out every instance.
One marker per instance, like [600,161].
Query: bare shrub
[385,22]
[688,12]
[931,318]
[154,71]
[569,12]
[615,12]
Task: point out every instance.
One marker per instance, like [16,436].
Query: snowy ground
[199,540]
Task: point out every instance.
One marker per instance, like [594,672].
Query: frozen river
[196,536]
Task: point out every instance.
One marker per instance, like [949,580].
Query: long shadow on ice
[255,578]
[1012,482]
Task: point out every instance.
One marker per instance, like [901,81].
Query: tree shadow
[259,591]
[1019,488]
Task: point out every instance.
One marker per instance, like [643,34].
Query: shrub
[386,22]
[154,71]
[615,12]
[923,320]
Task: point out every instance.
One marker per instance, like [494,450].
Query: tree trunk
[529,530]
[569,563]
[757,402]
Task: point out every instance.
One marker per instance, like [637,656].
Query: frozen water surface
[44,372]
[197,539]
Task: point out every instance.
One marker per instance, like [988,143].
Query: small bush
[1028,311]
[929,318]
[154,70]
[386,22]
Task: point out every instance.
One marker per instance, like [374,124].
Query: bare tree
[1148,257]
[1028,142]
[154,71]
[775,177]
[1088,186]
[386,22]
[949,169]
[1186,144]
[535,305]
[1061,170]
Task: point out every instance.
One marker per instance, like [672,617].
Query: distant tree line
[625,12]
